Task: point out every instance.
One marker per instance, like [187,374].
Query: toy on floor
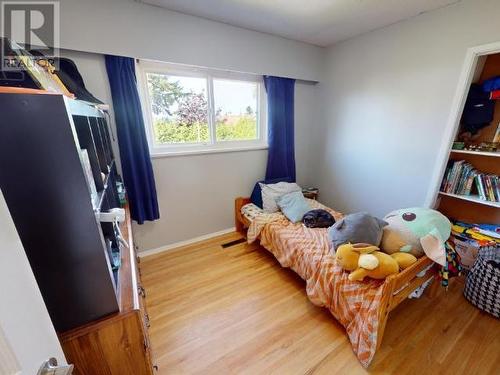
[417,230]
[365,260]
[359,227]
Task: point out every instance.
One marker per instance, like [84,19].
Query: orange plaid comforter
[307,251]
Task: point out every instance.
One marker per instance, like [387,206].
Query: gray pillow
[271,193]
[359,227]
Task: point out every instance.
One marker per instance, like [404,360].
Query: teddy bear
[416,231]
[365,260]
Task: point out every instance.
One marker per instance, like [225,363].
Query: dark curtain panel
[134,152]
[280,119]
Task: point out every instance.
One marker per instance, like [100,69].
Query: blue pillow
[293,205]
[256,197]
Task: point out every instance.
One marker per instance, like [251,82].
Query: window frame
[143,67]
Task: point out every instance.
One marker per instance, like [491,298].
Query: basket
[482,285]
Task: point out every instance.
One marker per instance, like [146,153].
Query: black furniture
[44,181]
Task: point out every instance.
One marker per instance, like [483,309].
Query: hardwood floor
[236,311]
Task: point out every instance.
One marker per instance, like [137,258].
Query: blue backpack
[478,110]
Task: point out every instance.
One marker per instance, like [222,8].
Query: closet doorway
[474,145]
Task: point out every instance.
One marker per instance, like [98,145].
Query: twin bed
[361,307]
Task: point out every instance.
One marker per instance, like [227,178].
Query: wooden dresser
[119,343]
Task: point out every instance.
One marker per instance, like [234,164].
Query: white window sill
[167,154]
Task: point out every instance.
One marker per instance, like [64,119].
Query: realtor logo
[31,25]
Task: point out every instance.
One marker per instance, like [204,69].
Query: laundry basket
[482,286]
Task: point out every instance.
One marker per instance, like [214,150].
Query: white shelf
[472,198]
[82,108]
[483,153]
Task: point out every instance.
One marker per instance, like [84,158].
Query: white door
[27,337]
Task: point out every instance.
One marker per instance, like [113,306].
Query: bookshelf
[471,198]
[88,278]
[48,189]
[478,153]
[471,207]
[59,178]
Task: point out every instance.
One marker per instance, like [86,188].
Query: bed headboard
[240,222]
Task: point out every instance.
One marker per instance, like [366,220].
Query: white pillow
[271,192]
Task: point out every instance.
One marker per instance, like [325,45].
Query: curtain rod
[297,80]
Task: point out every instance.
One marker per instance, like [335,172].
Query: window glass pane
[236,110]
[179,108]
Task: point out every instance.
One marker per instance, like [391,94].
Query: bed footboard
[398,287]
[404,283]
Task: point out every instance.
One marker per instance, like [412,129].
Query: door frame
[468,70]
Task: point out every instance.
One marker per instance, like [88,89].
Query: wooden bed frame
[398,286]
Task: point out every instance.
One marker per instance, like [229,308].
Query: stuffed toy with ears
[365,260]
[359,227]
[417,231]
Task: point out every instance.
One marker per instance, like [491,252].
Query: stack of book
[469,238]
[462,178]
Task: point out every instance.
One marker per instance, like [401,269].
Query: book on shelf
[461,178]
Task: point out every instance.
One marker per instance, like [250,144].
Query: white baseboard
[191,241]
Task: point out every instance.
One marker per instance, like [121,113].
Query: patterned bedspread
[307,251]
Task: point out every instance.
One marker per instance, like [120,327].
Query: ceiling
[320,22]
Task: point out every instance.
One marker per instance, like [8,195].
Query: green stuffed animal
[417,231]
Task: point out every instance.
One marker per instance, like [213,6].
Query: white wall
[387,96]
[196,193]
[130,28]
[23,316]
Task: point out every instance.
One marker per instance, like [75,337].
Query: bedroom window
[193,110]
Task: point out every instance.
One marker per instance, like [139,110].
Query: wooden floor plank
[234,310]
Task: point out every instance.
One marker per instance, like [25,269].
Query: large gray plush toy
[359,227]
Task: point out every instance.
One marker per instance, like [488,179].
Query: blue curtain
[134,152]
[280,119]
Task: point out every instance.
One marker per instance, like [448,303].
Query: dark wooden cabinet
[46,179]
[45,187]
